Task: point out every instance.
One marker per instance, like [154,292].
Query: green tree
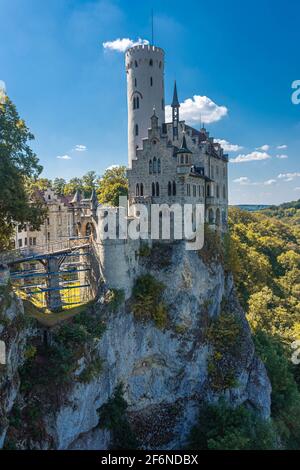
[112,185]
[89,182]
[72,186]
[59,186]
[18,165]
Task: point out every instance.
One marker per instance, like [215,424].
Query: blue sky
[243,56]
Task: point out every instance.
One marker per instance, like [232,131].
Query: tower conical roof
[77,197]
[175,102]
[184,147]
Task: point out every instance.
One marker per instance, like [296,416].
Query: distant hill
[252,207]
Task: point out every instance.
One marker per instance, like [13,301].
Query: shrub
[92,371]
[224,428]
[224,335]
[113,417]
[146,300]
[115,298]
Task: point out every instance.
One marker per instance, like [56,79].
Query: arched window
[137,190]
[150,167]
[142,189]
[157,189]
[151,62]
[136,130]
[154,165]
[174,188]
[153,189]
[158,166]
[151,81]
[169,188]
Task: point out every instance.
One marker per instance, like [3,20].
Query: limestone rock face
[164,371]
[14,334]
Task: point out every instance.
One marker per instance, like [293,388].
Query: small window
[186,159]
[142,189]
[137,102]
[182,159]
[49,197]
[153,189]
[151,62]
[218,191]
[135,63]
[169,188]
[34,241]
[25,241]
[48,236]
[194,190]
[48,221]
[157,189]
[150,167]
[160,64]
[135,82]
[134,103]
[154,165]
[188,189]
[158,166]
[151,81]
[136,130]
[20,243]
[174,188]
[137,190]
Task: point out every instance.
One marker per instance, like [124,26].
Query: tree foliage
[112,185]
[19,165]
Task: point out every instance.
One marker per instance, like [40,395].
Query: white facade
[145,91]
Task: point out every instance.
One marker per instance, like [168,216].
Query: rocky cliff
[194,349]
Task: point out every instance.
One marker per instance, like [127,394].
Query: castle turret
[175,112]
[145,91]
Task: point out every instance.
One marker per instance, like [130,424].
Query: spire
[77,197]
[184,147]
[175,102]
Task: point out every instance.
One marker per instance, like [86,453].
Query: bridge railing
[36,250]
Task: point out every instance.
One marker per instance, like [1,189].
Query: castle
[168,162]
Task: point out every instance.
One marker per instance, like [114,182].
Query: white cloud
[2,90]
[288,176]
[64,157]
[112,167]
[250,157]
[121,45]
[199,108]
[282,157]
[264,148]
[227,147]
[80,148]
[242,180]
[269,182]
[282,147]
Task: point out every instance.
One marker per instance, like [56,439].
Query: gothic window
[137,190]
[158,166]
[151,81]
[150,167]
[136,130]
[154,165]
[169,188]
[174,188]
[142,189]
[153,189]
[157,189]
[151,62]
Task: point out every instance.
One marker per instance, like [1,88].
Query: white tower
[145,91]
